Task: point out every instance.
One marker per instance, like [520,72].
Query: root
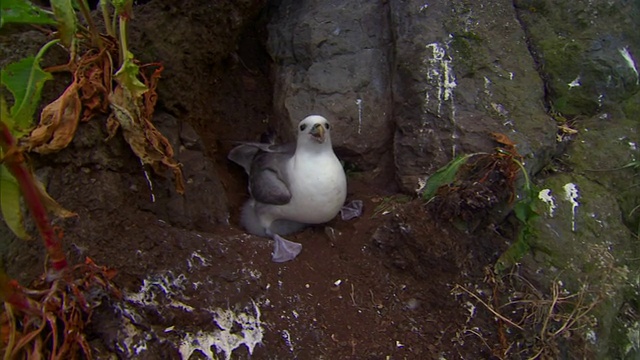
[52,327]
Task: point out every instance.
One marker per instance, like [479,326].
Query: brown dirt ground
[379,288]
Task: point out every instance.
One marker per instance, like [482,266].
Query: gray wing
[268,181]
[265,164]
[245,153]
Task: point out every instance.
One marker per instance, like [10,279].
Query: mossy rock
[470,54]
[606,152]
[581,242]
[583,50]
[631,107]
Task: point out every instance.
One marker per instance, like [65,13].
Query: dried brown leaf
[503,139]
[112,126]
[143,137]
[94,79]
[51,205]
[58,123]
[151,96]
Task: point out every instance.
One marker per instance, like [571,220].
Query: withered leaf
[58,123]
[151,96]
[503,139]
[143,137]
[94,85]
[50,204]
[112,126]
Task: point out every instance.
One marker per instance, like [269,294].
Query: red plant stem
[12,293]
[14,162]
[21,302]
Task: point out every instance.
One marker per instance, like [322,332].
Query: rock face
[438,78]
[182,36]
[586,51]
[463,70]
[581,243]
[333,58]
[204,204]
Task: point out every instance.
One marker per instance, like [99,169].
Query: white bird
[291,185]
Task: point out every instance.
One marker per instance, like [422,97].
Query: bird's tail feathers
[251,222]
[286,227]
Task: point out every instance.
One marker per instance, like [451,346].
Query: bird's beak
[318,132]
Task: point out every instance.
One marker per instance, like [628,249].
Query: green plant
[96,88]
[445,175]
[480,185]
[524,210]
[24,79]
[23,12]
[48,320]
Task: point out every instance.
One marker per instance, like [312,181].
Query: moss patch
[470,54]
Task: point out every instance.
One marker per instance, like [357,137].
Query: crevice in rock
[535,55]
[392,55]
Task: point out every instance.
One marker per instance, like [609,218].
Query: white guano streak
[439,71]
[629,59]
[572,195]
[547,198]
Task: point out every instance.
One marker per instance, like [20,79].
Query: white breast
[319,187]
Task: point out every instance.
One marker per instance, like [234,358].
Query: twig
[554,292]
[537,354]
[353,298]
[489,307]
[479,336]
[576,315]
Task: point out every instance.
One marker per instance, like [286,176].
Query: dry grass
[535,324]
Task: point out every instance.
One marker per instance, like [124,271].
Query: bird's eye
[303,126]
[327,126]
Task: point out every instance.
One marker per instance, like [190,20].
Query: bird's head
[314,129]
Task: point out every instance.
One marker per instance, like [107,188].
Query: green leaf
[4,114]
[524,210]
[123,7]
[76,5]
[66,19]
[515,252]
[25,80]
[444,175]
[23,12]
[127,76]
[10,203]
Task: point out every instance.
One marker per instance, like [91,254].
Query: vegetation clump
[47,320]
